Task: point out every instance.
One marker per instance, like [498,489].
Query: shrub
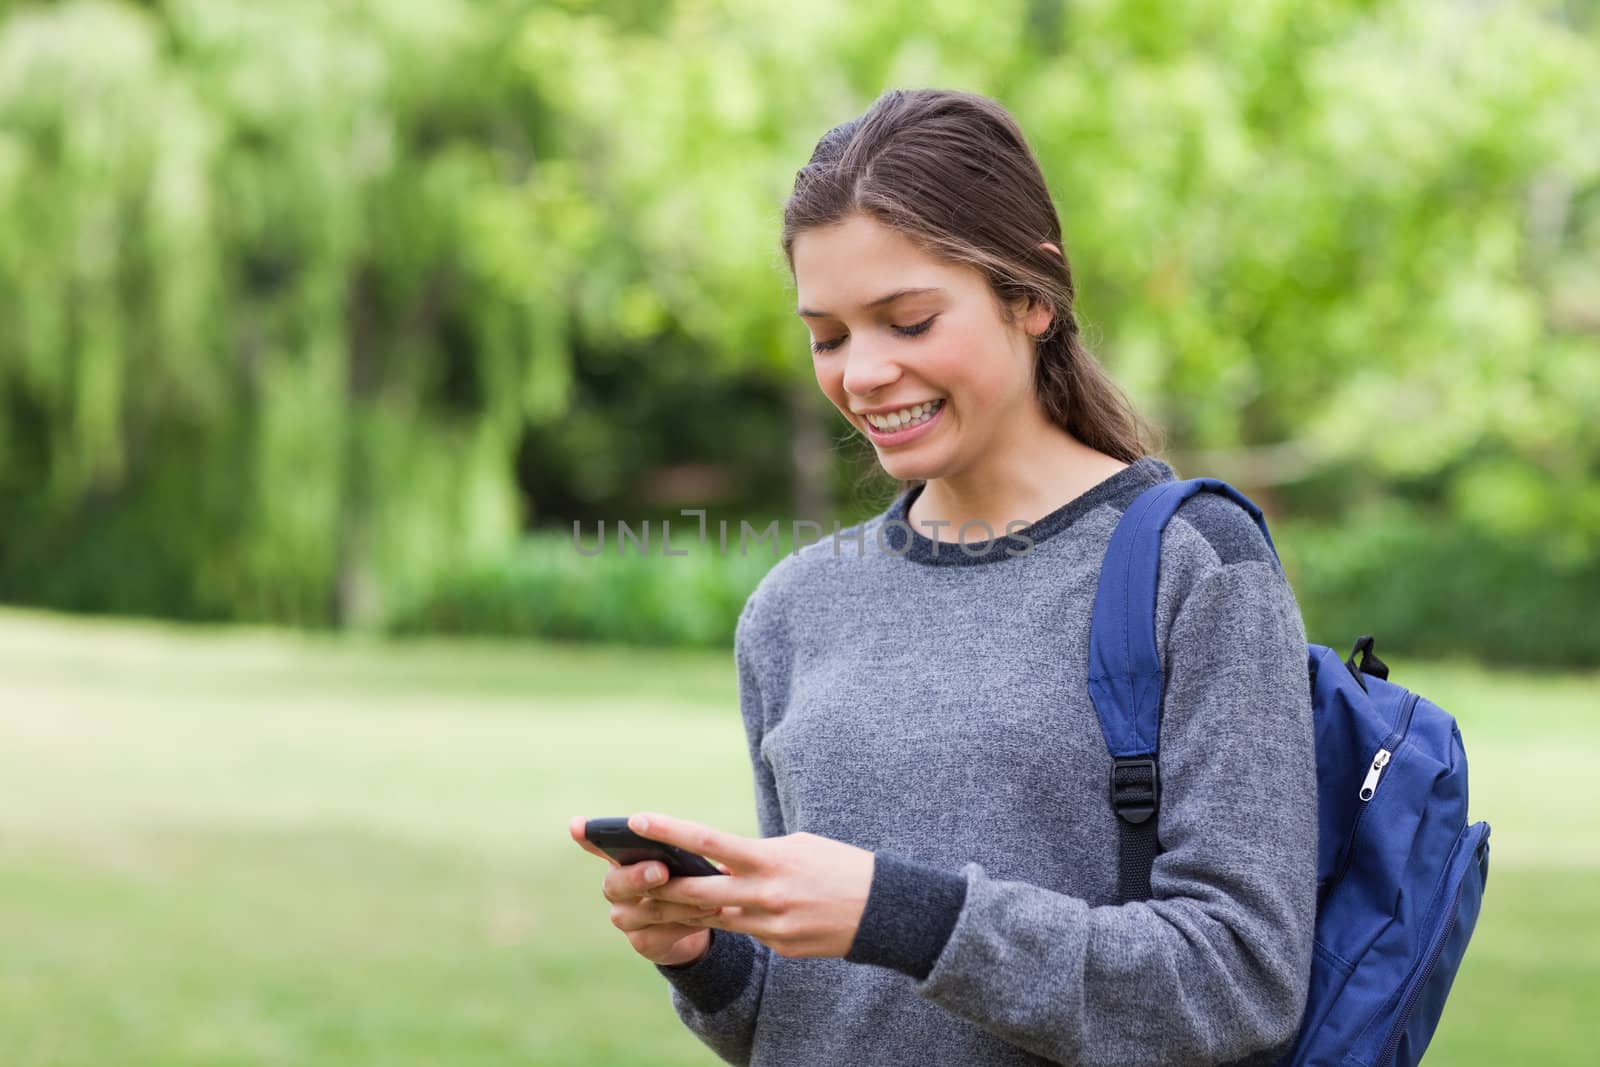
[1418,585]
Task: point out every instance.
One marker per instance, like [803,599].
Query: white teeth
[906,417]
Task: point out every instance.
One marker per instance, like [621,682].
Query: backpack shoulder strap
[1125,676]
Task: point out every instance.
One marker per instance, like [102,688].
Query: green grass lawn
[246,847]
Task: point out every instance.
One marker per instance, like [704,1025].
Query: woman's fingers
[627,883]
[575,826]
[744,854]
[669,944]
[644,913]
[659,930]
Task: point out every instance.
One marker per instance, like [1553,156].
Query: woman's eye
[903,331]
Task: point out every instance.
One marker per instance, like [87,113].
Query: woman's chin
[921,458]
[907,469]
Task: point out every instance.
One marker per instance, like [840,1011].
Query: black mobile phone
[613,837]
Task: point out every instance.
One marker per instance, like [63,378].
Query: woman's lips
[895,438]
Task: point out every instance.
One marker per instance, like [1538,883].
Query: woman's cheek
[943,368]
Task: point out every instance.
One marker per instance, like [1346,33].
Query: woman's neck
[1017,491]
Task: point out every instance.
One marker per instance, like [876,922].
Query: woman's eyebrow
[887,298]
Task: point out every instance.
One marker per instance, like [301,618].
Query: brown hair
[952,171]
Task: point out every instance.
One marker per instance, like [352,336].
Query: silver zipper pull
[1379,762]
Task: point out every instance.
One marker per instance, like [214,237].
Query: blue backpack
[1400,873]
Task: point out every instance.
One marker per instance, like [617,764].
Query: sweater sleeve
[1215,967]
[718,996]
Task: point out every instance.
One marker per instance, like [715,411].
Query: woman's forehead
[863,265]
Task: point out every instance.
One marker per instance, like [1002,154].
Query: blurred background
[323,323]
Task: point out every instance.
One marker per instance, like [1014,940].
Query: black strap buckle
[1135,788]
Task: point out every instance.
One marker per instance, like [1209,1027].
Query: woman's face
[893,328]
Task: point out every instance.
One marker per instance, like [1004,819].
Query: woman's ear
[1032,314]
[1039,314]
[1038,319]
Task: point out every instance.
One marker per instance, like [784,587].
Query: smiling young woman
[942,377]
[936,878]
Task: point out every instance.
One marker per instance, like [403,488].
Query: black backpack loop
[1370,663]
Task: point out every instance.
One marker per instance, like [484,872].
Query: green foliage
[1429,586]
[1439,588]
[257,244]
[548,589]
[305,305]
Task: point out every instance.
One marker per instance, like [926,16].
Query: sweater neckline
[906,542]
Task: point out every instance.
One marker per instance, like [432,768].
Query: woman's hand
[800,894]
[654,928]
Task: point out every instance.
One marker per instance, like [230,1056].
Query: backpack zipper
[1370,786]
[1392,1042]
[1401,726]
[1379,762]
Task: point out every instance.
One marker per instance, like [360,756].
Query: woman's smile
[903,426]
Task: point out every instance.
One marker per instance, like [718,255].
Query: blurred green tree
[283,294]
[299,301]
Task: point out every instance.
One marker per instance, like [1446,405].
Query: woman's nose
[868,369]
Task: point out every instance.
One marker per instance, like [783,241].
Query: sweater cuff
[911,909]
[716,979]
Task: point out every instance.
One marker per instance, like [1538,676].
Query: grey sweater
[929,701]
